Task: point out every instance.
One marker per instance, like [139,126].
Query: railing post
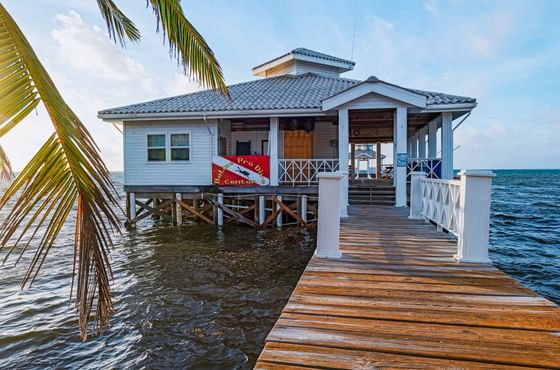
[328,223]
[416,194]
[476,187]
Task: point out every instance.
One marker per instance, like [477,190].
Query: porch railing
[430,166]
[462,207]
[440,203]
[304,171]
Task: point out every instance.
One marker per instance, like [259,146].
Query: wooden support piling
[278,201]
[178,208]
[220,210]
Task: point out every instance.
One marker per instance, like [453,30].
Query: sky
[504,53]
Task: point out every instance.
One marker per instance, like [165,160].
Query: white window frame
[157,147]
[189,147]
[167,148]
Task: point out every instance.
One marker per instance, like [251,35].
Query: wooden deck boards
[398,299]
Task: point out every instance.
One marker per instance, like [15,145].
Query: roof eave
[457,107]
[111,117]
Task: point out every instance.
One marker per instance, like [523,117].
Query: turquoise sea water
[198,297]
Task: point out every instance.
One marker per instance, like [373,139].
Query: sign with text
[241,170]
[402,159]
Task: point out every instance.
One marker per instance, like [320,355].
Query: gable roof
[287,92]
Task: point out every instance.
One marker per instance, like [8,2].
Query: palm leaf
[119,25]
[187,45]
[65,176]
[5,167]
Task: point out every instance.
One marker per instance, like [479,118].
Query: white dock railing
[304,171]
[430,166]
[462,207]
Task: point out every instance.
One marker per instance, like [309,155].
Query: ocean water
[198,297]
[525,228]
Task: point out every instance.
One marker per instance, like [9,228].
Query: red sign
[241,170]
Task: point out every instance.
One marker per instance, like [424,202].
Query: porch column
[401,157]
[353,161]
[446,146]
[432,139]
[273,148]
[343,139]
[422,143]
[414,150]
[395,150]
[378,161]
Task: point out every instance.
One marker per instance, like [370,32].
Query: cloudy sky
[504,53]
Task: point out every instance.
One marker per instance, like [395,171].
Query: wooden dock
[398,299]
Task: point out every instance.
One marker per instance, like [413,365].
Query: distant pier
[398,298]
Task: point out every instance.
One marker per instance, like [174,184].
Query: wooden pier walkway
[398,299]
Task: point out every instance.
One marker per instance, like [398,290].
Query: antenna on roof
[353,41]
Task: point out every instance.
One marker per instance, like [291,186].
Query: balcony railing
[430,166]
[304,171]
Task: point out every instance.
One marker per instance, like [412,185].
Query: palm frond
[119,25]
[188,46]
[6,172]
[66,171]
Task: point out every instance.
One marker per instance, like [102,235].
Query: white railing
[387,171]
[462,207]
[440,203]
[304,171]
[430,166]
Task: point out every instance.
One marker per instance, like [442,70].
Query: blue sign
[402,159]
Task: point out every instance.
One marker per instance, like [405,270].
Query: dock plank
[398,299]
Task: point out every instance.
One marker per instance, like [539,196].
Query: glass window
[156,148]
[180,147]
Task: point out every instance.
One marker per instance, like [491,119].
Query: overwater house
[263,146]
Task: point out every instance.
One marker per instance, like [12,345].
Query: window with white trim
[180,146]
[156,148]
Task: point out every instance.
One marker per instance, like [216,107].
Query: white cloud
[87,49]
[180,85]
[431,7]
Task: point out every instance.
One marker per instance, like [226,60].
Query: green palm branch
[66,171]
[67,175]
[5,167]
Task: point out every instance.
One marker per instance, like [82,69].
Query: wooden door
[297,144]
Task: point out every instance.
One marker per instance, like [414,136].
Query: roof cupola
[300,61]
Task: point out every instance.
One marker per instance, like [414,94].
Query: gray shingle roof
[276,93]
[282,92]
[309,53]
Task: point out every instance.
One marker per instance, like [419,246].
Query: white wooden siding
[225,131]
[283,69]
[323,134]
[302,67]
[196,171]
